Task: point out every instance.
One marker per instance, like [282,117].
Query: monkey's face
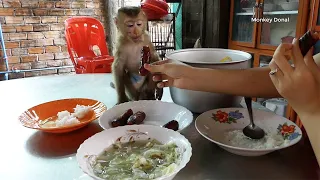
[135,30]
[134,27]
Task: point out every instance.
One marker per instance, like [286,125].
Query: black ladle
[252,131]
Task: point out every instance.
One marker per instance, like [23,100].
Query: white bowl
[214,130]
[157,113]
[94,145]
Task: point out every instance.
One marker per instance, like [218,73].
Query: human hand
[171,73]
[300,84]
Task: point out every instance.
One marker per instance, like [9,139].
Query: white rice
[63,114]
[80,111]
[236,138]
[66,118]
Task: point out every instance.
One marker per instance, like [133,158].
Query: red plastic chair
[87,47]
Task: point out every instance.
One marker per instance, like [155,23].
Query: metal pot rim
[246,56]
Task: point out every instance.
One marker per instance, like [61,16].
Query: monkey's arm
[118,70]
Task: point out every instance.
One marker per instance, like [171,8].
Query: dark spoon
[252,131]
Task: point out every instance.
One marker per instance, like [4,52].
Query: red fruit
[136,118]
[174,125]
[145,58]
[122,120]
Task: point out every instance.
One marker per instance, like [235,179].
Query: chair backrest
[85,37]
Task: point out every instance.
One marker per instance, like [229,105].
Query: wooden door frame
[304,18]
[254,31]
[314,16]
[301,26]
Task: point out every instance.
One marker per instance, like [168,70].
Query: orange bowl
[33,117]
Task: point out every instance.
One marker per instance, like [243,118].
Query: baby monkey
[132,35]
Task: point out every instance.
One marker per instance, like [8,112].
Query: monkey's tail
[112,85]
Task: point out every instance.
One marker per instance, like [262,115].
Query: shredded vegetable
[138,160]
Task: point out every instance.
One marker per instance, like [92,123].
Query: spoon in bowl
[252,131]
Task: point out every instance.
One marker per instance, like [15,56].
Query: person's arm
[311,124]
[254,82]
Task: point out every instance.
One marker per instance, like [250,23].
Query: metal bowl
[197,101]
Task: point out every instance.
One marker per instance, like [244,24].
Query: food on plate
[143,159]
[236,138]
[226,59]
[174,125]
[145,58]
[65,118]
[80,111]
[308,40]
[123,119]
[136,118]
[130,118]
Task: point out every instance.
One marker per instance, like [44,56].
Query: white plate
[214,129]
[157,113]
[94,145]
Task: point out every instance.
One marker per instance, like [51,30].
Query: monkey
[132,35]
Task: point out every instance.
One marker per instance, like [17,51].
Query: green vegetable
[139,160]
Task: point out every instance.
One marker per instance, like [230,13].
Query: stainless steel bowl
[197,101]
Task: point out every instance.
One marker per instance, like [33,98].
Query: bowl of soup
[214,58]
[134,152]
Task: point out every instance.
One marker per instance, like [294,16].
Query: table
[28,154]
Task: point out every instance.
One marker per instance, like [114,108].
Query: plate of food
[63,115]
[224,128]
[159,113]
[134,152]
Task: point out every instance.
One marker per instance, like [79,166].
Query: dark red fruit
[143,71]
[174,125]
[145,58]
[123,119]
[116,123]
[136,118]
